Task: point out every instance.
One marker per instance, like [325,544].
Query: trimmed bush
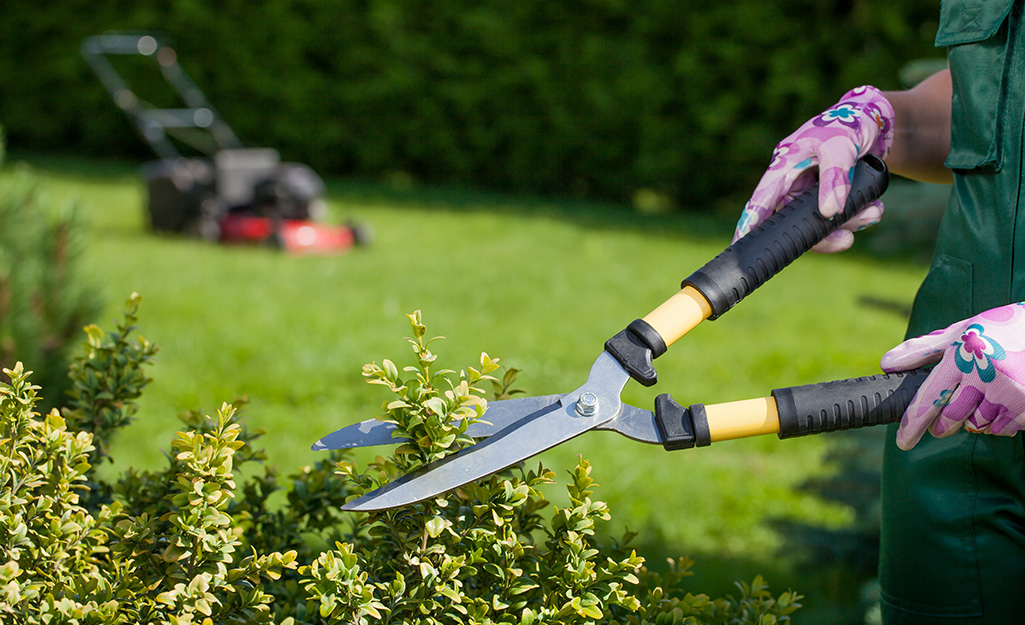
[197,542]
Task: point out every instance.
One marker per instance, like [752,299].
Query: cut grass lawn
[539,284]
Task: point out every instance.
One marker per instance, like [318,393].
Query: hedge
[199,543]
[580,97]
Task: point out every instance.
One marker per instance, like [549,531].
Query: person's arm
[922,130]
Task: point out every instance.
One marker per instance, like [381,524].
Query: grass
[541,284]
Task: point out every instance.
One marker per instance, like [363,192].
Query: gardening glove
[979,383]
[826,148]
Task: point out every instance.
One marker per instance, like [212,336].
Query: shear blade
[636,424]
[536,432]
[498,416]
[473,463]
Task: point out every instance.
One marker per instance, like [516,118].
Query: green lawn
[541,284]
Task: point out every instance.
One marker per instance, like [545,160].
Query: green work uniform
[953,528]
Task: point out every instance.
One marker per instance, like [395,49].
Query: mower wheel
[362,234]
[274,241]
[205,227]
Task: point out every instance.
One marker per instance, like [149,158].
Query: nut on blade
[587,404]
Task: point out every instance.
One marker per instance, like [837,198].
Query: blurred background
[536,175]
[595,98]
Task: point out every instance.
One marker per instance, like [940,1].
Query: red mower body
[295,236]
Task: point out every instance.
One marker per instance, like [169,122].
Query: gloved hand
[826,148]
[979,382]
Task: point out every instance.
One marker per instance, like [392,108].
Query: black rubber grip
[779,240]
[846,404]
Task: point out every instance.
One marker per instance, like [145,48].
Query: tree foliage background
[596,98]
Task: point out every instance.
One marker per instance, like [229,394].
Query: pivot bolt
[587,405]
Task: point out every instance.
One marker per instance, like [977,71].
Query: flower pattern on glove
[975,350]
[781,155]
[944,398]
[843,113]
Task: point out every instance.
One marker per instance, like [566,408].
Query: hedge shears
[513,430]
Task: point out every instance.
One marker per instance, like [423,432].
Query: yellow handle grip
[740,419]
[679,314]
[700,425]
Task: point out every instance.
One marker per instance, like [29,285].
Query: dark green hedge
[584,97]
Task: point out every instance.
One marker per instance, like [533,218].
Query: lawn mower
[226,192]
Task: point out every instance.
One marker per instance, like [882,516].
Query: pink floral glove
[979,382]
[826,149]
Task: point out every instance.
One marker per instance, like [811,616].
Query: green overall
[953,528]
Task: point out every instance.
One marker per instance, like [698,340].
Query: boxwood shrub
[198,541]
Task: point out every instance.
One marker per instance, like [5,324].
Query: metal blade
[636,424]
[363,434]
[503,413]
[498,416]
[533,434]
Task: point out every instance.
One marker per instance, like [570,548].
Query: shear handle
[740,269]
[779,240]
[791,412]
